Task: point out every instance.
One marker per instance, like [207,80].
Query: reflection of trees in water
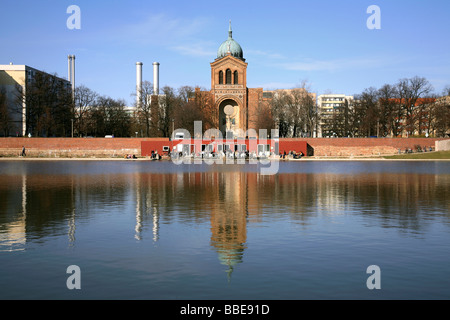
[41,202]
[51,204]
[405,201]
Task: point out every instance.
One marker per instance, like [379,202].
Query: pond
[157,230]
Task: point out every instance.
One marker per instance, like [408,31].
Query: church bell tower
[229,88]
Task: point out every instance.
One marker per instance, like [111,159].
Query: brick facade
[229,87]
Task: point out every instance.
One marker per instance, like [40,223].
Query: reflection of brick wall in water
[118,147]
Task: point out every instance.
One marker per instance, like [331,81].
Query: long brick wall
[73,147]
[119,147]
[366,146]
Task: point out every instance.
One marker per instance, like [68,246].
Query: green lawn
[422,155]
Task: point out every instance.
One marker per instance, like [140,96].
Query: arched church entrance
[229,118]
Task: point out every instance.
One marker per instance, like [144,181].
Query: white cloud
[195,50]
[351,63]
[160,29]
[335,65]
[264,54]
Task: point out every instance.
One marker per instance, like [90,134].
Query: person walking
[23,154]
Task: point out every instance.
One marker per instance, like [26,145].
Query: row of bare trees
[293,112]
[152,116]
[96,115]
[51,111]
[49,107]
[158,116]
[408,107]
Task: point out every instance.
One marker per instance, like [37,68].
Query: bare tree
[185,93]
[143,108]
[195,104]
[204,101]
[341,121]
[185,114]
[5,117]
[280,113]
[446,91]
[366,112]
[85,99]
[169,101]
[264,119]
[410,90]
[49,105]
[441,114]
[387,124]
[109,117]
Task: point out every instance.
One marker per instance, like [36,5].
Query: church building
[237,110]
[236,104]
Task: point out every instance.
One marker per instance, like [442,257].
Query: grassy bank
[439,155]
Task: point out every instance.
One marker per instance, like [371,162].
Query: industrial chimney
[138,83]
[69,68]
[71,71]
[156,78]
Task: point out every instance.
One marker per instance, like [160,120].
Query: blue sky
[323,42]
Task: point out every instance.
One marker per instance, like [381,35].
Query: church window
[236,77]
[228,75]
[220,77]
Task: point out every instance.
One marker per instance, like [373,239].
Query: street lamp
[173,126]
[173,136]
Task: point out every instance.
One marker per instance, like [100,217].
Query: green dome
[230,46]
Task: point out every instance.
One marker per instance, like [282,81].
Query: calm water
[155,230]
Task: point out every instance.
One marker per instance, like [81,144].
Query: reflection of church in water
[227,200]
[229,219]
